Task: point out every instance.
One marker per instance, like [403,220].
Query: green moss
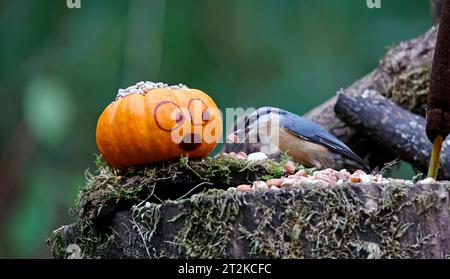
[208,225]
[309,222]
[108,188]
[328,223]
[409,88]
[270,241]
[427,200]
[223,167]
[57,244]
[145,220]
[312,222]
[83,235]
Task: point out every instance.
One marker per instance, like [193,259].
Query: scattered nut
[244,188]
[326,178]
[287,183]
[359,172]
[276,182]
[427,180]
[257,156]
[379,178]
[242,154]
[301,173]
[260,185]
[289,167]
[355,179]
[365,178]
[345,173]
[319,183]
[240,157]
[342,176]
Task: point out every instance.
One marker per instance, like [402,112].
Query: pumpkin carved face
[152,122]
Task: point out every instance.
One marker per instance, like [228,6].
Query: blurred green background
[60,67]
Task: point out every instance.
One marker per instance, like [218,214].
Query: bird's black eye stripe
[264,112]
[247,121]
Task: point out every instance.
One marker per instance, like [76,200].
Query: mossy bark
[392,220]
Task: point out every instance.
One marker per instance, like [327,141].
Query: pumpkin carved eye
[168,116]
[206,115]
[179,117]
[199,112]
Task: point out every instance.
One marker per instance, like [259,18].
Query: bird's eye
[247,121]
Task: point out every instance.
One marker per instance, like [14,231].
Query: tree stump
[398,219]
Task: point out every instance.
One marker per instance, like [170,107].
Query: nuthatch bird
[307,143]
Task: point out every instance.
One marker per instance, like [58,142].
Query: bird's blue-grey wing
[312,132]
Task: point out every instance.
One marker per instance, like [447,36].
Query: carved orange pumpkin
[151,122]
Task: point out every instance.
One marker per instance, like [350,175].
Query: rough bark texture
[350,221]
[393,128]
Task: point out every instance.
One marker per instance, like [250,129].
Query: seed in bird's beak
[234,138]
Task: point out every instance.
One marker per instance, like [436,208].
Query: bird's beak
[234,138]
[239,134]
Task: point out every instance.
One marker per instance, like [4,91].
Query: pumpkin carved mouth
[190,142]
